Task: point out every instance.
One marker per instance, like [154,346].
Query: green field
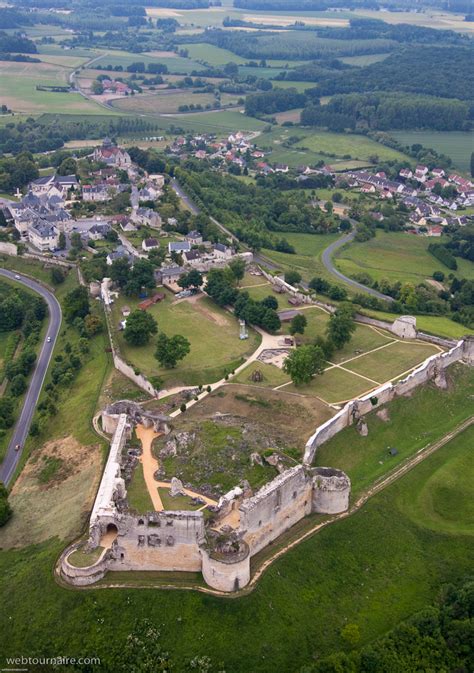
[454,144]
[213,122]
[413,423]
[361,367]
[359,147]
[443,500]
[212,54]
[175,64]
[18,89]
[169,101]
[307,260]
[334,386]
[397,256]
[212,332]
[438,325]
[339,150]
[392,360]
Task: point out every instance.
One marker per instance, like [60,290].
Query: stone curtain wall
[122,366]
[128,371]
[359,407]
[160,541]
[276,507]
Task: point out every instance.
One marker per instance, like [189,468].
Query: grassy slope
[455,144]
[397,256]
[359,570]
[18,89]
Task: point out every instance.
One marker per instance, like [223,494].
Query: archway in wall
[109,536]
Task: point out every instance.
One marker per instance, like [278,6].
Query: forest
[438,638]
[436,71]
[270,102]
[389,111]
[14,43]
[294,44]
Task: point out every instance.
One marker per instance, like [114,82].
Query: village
[58,208]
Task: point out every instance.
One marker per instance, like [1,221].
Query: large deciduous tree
[303,363]
[139,328]
[341,326]
[170,350]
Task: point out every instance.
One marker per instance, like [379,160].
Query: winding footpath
[22,427]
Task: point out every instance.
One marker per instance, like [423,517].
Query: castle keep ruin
[180,540]
[242,524]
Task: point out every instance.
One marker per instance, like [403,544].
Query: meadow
[205,325]
[307,257]
[68,440]
[169,101]
[342,151]
[359,147]
[18,83]
[455,144]
[397,256]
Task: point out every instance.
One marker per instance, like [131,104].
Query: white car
[48,339]
[17,277]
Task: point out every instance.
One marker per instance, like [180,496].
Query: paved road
[328,263]
[20,433]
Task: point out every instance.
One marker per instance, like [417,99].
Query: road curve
[261,259]
[22,427]
[328,263]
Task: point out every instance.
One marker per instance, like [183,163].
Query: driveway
[22,427]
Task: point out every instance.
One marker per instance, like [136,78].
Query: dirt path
[151,465]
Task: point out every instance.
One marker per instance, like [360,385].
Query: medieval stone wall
[429,369]
[276,507]
[158,541]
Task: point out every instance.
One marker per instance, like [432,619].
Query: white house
[150,244]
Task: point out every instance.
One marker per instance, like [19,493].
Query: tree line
[438,638]
[383,111]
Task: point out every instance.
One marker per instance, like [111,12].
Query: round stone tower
[226,567]
[331,490]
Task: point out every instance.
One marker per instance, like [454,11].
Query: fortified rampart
[183,541]
[432,368]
